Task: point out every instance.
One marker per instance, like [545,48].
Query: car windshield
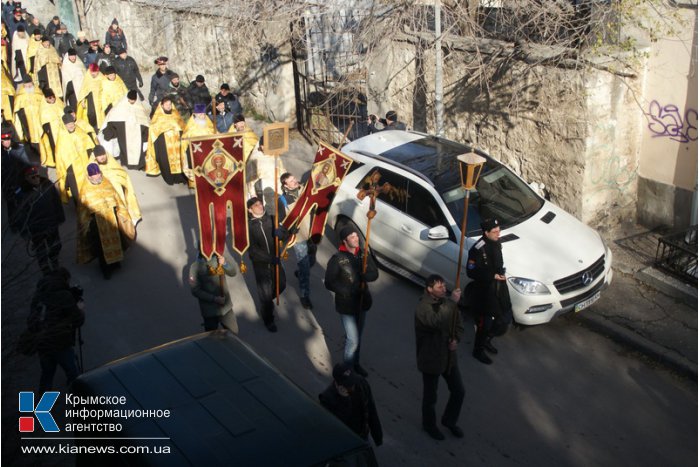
[499,194]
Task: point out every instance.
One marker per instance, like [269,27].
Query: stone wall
[575,132]
[202,44]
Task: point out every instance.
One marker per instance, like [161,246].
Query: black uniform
[262,254]
[490,297]
[160,86]
[357,410]
[14,162]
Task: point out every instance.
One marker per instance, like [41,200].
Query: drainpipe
[439,108]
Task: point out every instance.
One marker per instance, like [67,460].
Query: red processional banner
[219,173]
[327,173]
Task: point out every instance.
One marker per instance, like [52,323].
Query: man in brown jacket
[438,331]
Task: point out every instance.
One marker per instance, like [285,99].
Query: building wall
[668,165]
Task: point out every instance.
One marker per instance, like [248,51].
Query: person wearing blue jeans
[304,248]
[345,278]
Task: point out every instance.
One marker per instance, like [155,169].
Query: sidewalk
[644,308]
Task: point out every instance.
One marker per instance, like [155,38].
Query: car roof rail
[398,165]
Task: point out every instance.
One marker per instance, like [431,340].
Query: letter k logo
[41,411]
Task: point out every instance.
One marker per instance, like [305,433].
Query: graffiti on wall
[611,172]
[666,121]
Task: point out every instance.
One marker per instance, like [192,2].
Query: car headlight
[528,286]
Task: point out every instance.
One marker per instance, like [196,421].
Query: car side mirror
[438,233]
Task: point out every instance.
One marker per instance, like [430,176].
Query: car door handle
[406,229]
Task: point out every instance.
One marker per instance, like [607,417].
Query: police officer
[490,290]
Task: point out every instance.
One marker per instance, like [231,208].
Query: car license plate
[587,303]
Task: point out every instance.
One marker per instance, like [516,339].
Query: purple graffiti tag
[666,121]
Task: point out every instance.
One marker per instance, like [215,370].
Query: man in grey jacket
[438,331]
[208,283]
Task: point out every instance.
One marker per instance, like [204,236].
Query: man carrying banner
[304,248]
[164,156]
[262,253]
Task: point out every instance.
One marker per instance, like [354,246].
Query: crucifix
[371,190]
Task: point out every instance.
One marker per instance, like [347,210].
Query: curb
[668,285]
[631,339]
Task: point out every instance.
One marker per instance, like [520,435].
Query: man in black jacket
[490,290]
[128,71]
[345,278]
[55,314]
[198,92]
[39,213]
[233,103]
[261,232]
[349,397]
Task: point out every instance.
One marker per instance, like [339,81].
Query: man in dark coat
[39,213]
[208,283]
[63,40]
[391,122]
[233,103]
[345,278]
[82,45]
[349,398]
[438,331]
[128,71]
[160,81]
[178,93]
[198,92]
[115,36]
[54,316]
[490,290]
[105,58]
[265,259]
[53,26]
[93,52]
[14,162]
[15,22]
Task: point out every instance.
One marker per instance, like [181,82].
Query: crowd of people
[74,106]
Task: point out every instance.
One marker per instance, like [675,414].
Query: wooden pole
[213,112]
[277,242]
[461,240]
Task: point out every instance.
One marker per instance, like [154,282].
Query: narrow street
[557,394]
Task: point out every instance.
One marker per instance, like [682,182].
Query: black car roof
[228,406]
[432,157]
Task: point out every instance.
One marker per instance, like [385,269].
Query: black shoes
[272,327]
[306,303]
[482,357]
[454,429]
[434,432]
[488,346]
[361,371]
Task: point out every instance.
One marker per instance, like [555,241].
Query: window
[393,194]
[423,207]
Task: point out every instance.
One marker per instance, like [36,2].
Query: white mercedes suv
[554,263]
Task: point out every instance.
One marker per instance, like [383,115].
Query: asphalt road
[557,395]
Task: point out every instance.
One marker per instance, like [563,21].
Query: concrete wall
[668,165]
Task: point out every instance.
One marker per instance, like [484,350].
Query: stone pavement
[646,310]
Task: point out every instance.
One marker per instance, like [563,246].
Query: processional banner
[219,173]
[327,173]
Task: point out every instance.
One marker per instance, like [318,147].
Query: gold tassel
[244,268]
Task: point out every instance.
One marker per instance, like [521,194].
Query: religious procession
[79,122]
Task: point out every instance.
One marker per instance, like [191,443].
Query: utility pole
[439,108]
